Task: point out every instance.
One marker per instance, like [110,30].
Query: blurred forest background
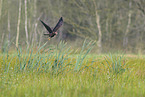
[115,25]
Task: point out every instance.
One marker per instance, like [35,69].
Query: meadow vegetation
[60,71]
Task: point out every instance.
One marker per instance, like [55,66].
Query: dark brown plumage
[53,32]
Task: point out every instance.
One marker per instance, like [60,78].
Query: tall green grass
[86,48]
[47,59]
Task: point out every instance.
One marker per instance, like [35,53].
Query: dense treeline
[114,24]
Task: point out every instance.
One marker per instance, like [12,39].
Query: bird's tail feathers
[46,33]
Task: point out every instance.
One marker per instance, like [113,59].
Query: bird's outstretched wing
[47,27]
[58,25]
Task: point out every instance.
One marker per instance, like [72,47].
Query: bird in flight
[52,32]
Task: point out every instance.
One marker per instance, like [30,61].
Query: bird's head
[55,33]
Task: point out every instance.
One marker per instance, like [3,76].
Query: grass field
[58,71]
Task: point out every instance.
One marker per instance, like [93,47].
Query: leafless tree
[18,24]
[26,28]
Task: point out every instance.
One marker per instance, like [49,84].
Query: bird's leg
[48,38]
